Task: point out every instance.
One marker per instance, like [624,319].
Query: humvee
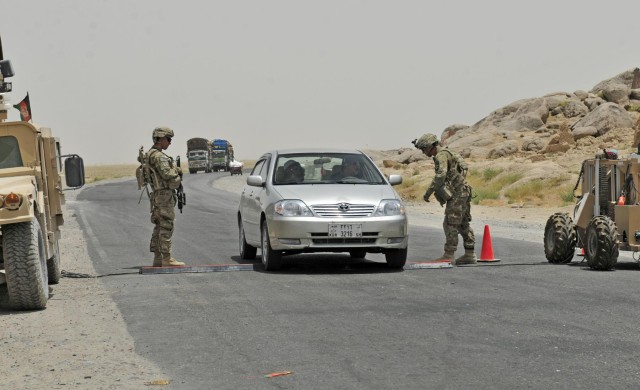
[31,199]
[606,215]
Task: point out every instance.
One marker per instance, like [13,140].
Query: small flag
[25,109]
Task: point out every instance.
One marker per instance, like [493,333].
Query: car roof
[314,150]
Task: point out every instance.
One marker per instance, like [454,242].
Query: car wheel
[396,258]
[247,252]
[358,253]
[272,260]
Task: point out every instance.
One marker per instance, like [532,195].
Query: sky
[269,74]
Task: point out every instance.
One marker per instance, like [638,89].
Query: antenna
[1,56]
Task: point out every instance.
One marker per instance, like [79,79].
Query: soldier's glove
[426,196]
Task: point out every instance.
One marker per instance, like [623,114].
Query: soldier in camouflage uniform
[165,179]
[450,188]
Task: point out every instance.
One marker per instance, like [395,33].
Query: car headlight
[292,208]
[389,207]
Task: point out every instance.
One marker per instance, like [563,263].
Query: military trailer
[606,217]
[32,173]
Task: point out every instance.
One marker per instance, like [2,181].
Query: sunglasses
[168,139]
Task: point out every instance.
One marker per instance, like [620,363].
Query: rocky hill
[541,138]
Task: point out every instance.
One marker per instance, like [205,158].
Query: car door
[250,204]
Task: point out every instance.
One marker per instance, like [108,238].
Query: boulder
[605,117]
[616,93]
[533,144]
[581,132]
[624,78]
[580,94]
[593,102]
[574,107]
[635,94]
[503,149]
[451,131]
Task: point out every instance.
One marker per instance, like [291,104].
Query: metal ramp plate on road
[259,267]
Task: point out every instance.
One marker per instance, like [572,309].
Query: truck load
[222,154]
[32,173]
[199,155]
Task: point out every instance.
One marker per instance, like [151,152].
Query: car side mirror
[395,180]
[255,181]
[74,171]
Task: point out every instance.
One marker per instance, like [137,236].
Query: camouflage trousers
[163,215]
[457,216]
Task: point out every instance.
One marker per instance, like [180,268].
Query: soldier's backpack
[143,172]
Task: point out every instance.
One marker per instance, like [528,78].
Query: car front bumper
[312,234]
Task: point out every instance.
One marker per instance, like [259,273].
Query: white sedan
[311,200]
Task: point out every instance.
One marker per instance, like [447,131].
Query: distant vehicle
[222,154]
[32,173]
[199,155]
[297,201]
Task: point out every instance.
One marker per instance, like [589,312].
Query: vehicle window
[10,152]
[326,168]
[258,168]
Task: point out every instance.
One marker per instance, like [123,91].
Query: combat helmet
[425,141]
[161,132]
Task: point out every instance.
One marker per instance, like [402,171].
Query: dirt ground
[80,341]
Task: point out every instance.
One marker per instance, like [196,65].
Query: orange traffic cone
[486,255]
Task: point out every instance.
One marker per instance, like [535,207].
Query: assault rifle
[182,197]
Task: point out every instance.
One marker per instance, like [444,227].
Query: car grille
[333,210]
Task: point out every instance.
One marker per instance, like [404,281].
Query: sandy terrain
[80,341]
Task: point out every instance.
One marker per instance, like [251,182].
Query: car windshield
[326,168]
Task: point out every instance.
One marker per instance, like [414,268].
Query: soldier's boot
[168,261]
[469,257]
[157,259]
[447,256]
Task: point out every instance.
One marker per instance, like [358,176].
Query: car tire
[358,253]
[396,258]
[559,239]
[247,252]
[272,260]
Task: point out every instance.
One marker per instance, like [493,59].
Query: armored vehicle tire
[25,265]
[601,247]
[358,254]
[53,265]
[559,238]
[396,258]
[247,252]
[272,260]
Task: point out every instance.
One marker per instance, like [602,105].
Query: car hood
[336,193]
[22,185]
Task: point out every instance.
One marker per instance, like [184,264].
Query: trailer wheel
[559,239]
[53,265]
[25,265]
[602,245]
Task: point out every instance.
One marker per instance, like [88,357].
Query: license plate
[345,230]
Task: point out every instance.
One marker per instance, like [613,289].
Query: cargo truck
[222,154]
[199,155]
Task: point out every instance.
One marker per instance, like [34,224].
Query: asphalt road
[336,324]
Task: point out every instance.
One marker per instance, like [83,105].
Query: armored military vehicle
[606,216]
[31,200]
